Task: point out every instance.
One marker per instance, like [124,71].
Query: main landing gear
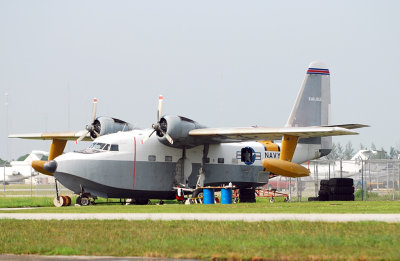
[84,199]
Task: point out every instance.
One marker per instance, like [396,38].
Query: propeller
[161,126]
[94,127]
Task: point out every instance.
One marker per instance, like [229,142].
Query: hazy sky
[221,63]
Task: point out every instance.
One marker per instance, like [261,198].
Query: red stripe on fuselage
[318,71]
[134,165]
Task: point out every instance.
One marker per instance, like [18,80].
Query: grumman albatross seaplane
[178,153]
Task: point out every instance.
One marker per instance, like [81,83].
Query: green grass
[262,206]
[287,240]
[19,202]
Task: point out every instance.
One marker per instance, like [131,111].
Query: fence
[373,179]
[37,185]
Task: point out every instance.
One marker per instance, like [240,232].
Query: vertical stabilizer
[313,103]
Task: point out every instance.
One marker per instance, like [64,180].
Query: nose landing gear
[60,201]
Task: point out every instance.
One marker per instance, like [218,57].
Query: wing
[53,135]
[225,135]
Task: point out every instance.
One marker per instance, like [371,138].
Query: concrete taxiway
[393,218]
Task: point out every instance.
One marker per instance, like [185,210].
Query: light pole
[4,173]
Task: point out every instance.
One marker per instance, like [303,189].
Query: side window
[220,160]
[168,158]
[114,147]
[247,155]
[107,147]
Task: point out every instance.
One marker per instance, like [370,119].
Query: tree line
[347,152]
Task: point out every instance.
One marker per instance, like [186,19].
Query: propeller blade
[97,134]
[81,137]
[147,137]
[94,110]
[160,104]
[169,139]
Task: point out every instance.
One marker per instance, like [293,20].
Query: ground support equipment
[272,194]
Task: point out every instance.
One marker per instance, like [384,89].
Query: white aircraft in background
[350,167]
[21,170]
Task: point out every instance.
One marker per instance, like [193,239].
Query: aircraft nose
[50,166]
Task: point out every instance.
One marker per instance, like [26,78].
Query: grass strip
[286,240]
[262,206]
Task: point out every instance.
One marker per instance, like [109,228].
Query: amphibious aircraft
[20,170]
[177,152]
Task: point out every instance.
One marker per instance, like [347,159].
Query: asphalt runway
[392,218]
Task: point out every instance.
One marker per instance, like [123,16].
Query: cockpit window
[97,146]
[103,146]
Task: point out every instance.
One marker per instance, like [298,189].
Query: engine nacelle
[108,125]
[178,128]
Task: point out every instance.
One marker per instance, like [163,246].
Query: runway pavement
[393,218]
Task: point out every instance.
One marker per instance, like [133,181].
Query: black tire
[341,182]
[342,197]
[323,198]
[313,199]
[324,182]
[85,201]
[247,195]
[198,193]
[78,200]
[323,192]
[342,190]
[324,187]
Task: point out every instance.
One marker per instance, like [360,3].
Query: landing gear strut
[60,201]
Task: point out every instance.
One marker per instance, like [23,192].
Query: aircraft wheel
[58,202]
[272,200]
[67,200]
[78,200]
[198,193]
[85,201]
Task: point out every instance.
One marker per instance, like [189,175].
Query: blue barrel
[208,196]
[226,196]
